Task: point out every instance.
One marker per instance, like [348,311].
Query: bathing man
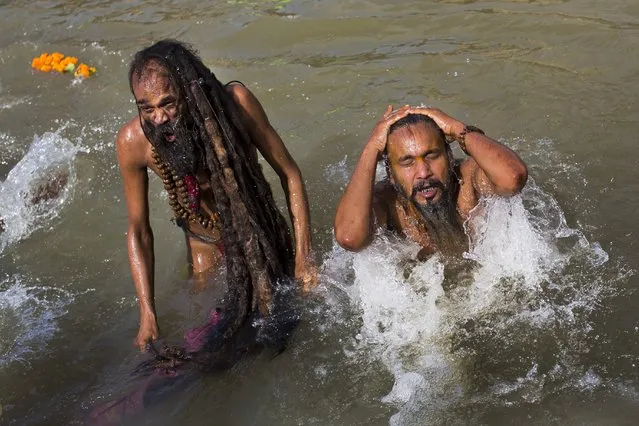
[427,194]
[200,137]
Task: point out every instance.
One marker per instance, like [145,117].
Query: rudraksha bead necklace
[184,195]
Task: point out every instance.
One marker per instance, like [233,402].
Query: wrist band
[462,135]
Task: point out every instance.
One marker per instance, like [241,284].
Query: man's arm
[131,159]
[271,146]
[493,167]
[357,212]
[498,169]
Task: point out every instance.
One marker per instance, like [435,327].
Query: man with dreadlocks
[200,137]
[427,194]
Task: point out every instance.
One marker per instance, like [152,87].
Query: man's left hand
[451,127]
[306,273]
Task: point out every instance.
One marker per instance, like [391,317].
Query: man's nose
[159,116]
[423,170]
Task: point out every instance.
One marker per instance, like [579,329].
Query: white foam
[49,156]
[527,276]
[8,102]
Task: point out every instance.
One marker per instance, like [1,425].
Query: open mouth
[428,193]
[170,137]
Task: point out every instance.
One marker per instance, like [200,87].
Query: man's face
[419,164]
[168,128]
[158,102]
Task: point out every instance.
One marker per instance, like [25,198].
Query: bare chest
[192,198]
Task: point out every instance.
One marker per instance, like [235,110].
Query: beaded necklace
[184,196]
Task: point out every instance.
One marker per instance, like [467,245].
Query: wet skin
[419,164]
[159,105]
[419,167]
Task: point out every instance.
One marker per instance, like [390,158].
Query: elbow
[520,177]
[515,182]
[348,240]
[291,177]
[140,233]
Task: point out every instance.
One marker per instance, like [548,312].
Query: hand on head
[448,124]
[379,135]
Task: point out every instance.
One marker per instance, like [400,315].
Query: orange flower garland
[62,64]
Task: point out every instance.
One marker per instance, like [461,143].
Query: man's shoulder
[131,140]
[239,92]
[249,107]
[131,132]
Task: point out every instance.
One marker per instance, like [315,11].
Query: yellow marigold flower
[82,71]
[60,63]
[69,60]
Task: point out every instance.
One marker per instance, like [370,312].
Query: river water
[537,324]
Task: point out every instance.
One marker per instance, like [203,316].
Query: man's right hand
[148,332]
[379,135]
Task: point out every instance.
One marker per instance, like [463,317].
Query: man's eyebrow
[165,100]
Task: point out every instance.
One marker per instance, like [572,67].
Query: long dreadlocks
[256,239]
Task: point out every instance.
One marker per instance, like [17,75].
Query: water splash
[505,325]
[29,311]
[37,187]
[8,101]
[338,172]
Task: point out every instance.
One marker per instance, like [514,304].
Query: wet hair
[413,120]
[184,155]
[255,236]
[155,57]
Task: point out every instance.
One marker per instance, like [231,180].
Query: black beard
[182,154]
[440,217]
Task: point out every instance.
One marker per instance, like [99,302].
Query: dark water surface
[538,325]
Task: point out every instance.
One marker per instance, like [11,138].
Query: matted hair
[256,238]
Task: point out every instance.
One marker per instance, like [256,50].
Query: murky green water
[555,80]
